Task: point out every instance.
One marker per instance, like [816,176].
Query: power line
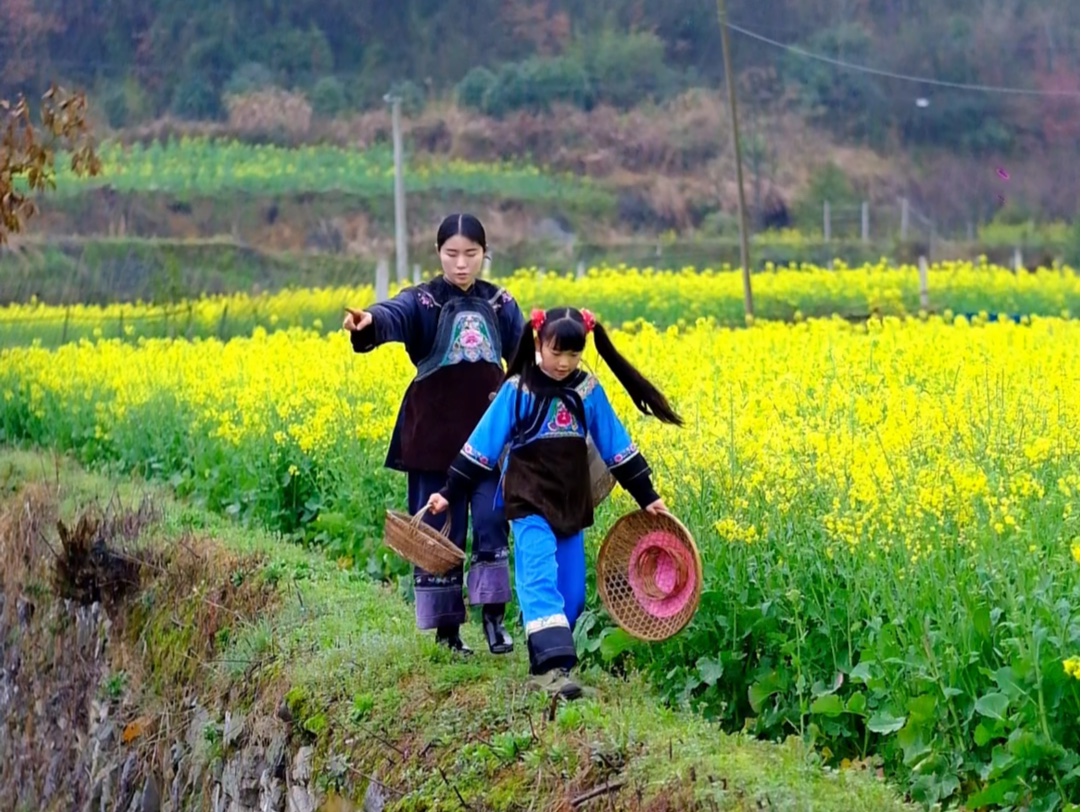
[904,77]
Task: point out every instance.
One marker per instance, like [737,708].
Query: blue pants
[550,579]
[439,597]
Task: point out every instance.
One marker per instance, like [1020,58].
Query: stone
[302,765]
[127,782]
[151,799]
[373,798]
[234,728]
[300,800]
[240,777]
[275,755]
[271,792]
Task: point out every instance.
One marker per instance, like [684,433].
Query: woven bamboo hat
[649,575]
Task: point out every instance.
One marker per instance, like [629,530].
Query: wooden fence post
[925,298]
[382,280]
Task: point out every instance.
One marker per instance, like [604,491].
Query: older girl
[456,329]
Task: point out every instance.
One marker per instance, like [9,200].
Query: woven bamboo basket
[600,478]
[649,575]
[420,544]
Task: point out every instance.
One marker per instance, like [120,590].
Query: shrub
[471,90]
[328,97]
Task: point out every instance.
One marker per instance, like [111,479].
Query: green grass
[369,691]
[190,168]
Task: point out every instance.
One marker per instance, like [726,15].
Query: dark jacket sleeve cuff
[376,333]
[365,340]
[463,475]
[634,476]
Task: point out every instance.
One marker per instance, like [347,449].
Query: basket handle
[415,521]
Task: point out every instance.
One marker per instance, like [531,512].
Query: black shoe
[499,642]
[451,638]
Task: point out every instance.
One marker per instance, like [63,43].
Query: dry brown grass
[24,548]
[269,111]
[152,593]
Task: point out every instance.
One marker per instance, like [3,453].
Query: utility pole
[400,249]
[730,80]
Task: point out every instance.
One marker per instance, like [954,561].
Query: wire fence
[94,270]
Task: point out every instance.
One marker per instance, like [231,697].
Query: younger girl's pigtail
[525,355]
[645,396]
[524,364]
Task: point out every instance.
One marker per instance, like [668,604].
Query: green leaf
[615,643]
[912,743]
[861,672]
[993,705]
[710,670]
[857,703]
[1002,761]
[983,734]
[995,794]
[884,722]
[762,690]
[829,705]
[922,708]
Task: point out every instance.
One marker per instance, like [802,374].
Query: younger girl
[544,410]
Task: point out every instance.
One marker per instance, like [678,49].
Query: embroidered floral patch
[475,455]
[586,387]
[470,341]
[561,421]
[623,455]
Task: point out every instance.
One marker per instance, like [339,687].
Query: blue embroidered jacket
[543,425]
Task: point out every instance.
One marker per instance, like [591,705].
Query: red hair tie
[537,318]
[589,320]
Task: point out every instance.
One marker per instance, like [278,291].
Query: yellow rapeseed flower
[1072,667]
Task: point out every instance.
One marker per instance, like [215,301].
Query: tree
[1058,114]
[23,35]
[29,153]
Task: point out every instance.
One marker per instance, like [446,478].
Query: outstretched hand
[356,319]
[436,504]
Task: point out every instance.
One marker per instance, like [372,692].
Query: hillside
[571,183]
[211,665]
[624,96]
